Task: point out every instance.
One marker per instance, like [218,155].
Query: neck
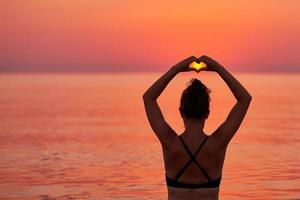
[193,127]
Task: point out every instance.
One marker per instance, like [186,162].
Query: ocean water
[86,136]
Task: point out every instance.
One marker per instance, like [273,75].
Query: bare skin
[212,155]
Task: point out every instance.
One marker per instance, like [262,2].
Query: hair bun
[196,84]
[195,99]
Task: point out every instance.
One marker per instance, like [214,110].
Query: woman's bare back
[210,157]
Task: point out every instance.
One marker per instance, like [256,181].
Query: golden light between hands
[197,66]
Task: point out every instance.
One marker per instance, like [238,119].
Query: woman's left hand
[183,66]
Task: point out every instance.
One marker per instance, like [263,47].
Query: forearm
[156,89]
[239,92]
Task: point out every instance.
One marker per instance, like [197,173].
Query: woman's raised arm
[229,127]
[155,117]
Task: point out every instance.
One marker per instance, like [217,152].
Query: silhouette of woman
[193,161]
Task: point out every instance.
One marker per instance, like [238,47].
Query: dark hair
[194,102]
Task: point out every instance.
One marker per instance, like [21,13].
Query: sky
[135,35]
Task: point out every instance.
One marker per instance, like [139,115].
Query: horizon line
[136,71]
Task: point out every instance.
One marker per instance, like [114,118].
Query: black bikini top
[175,183]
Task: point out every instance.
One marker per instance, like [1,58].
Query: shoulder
[171,142]
[216,141]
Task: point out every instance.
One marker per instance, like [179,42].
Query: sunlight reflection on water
[86,136]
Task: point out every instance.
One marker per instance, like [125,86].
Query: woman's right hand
[211,64]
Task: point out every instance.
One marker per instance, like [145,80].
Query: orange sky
[135,35]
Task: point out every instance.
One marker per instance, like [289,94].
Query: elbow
[250,98]
[247,98]
[146,96]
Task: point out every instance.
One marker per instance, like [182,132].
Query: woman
[193,160]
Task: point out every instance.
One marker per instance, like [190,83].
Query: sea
[67,136]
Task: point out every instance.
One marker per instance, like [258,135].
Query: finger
[205,60]
[194,70]
[203,69]
[188,58]
[192,58]
[190,69]
[203,57]
[197,60]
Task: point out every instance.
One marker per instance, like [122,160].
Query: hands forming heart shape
[198,66]
[192,63]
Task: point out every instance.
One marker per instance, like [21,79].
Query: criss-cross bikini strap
[188,150]
[193,159]
[183,169]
